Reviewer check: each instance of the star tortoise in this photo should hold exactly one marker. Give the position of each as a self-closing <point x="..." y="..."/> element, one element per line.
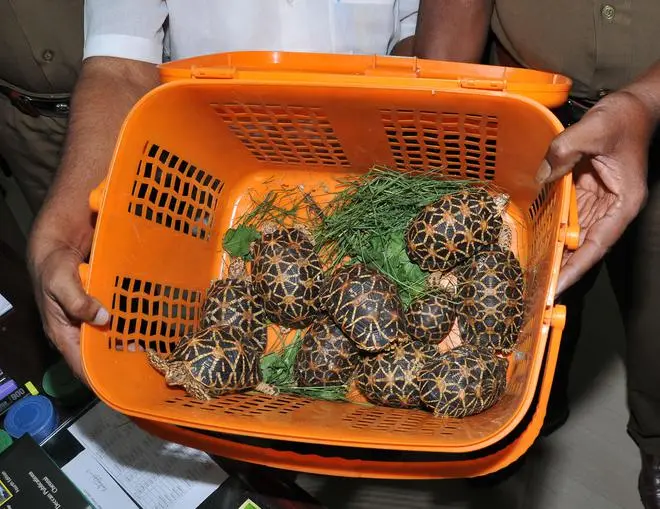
<point x="210" y="363"/>
<point x="366" y="306"/>
<point x="233" y="304"/>
<point x="326" y="356"/>
<point x="491" y="308"/>
<point x="431" y="317"/>
<point x="390" y="378"/>
<point x="451" y="230"/>
<point x="462" y="382"/>
<point x="288" y="276"/>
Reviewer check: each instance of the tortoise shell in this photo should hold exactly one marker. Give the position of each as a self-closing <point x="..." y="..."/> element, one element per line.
<point x="431" y="317"/>
<point x="462" y="382"/>
<point x="288" y="276"/>
<point x="326" y="356"/>
<point x="451" y="230"/>
<point x="232" y="304"/>
<point x="390" y="378"/>
<point x="490" y="313"/>
<point x="210" y="363"/>
<point x="366" y="306"/>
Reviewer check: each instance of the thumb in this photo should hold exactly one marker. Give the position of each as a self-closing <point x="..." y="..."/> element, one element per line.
<point x="568" y="148"/>
<point x="67" y="290"/>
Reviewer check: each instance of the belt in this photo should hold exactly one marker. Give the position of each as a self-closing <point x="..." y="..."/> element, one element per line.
<point x="575" y="106"/>
<point x="36" y="105"/>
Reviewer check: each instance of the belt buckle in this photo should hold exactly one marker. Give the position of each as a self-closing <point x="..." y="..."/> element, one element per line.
<point x="23" y="104"/>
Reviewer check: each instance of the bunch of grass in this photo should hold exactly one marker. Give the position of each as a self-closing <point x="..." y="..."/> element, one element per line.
<point x="367" y="219"/>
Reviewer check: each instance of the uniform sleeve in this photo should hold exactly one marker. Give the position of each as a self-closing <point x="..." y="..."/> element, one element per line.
<point x="130" y="29"/>
<point x="408" y="17"/>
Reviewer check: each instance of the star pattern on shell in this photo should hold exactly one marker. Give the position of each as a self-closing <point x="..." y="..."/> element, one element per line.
<point x="462" y="382"/>
<point x="210" y="363"/>
<point x="288" y="276"/>
<point x="232" y="304"/>
<point x="326" y="356"/>
<point x="451" y="230"/>
<point x="491" y="311"/>
<point x="430" y="317"/>
<point x="390" y="378"/>
<point x="366" y="306"/>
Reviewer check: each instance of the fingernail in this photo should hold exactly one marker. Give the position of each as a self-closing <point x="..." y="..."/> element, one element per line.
<point x="544" y="172"/>
<point x="102" y="317"/>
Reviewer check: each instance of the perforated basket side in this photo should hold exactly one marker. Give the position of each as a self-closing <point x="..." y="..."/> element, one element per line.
<point x="238" y="136"/>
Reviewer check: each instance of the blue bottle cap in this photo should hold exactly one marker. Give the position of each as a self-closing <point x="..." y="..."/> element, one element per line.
<point x="34" y="415"/>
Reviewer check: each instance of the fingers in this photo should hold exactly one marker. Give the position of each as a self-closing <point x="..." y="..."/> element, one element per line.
<point x="68" y="343"/>
<point x="579" y="263"/>
<point x="598" y="240"/>
<point x="64" y="286"/>
<point x="568" y="148"/>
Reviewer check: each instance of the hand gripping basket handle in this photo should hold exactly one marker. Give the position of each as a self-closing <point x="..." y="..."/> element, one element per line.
<point x="95" y="200"/>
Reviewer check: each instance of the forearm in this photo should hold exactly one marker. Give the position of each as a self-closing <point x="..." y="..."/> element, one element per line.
<point x="646" y="89"/>
<point x="106" y="91"/>
<point x="452" y="29"/>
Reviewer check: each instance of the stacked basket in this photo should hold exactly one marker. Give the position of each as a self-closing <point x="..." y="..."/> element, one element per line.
<point x="224" y="124"/>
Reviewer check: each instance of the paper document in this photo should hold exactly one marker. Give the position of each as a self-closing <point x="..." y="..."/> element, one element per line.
<point x="96" y="484"/>
<point x="155" y="473"/>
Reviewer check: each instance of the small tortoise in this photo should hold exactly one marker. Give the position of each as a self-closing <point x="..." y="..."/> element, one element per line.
<point x="209" y="363"/>
<point x="490" y="313"/>
<point x="451" y="230"/>
<point x="326" y="356"/>
<point x="288" y="276"/>
<point x="431" y="317"/>
<point x="233" y="304"/>
<point x="462" y="382"/>
<point x="366" y="306"/>
<point x="390" y="378"/>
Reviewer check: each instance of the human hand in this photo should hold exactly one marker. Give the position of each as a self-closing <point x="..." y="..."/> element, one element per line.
<point x="62" y="302"/>
<point x="614" y="138"/>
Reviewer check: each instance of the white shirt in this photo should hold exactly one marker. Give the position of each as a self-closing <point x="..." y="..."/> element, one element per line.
<point x="157" y="30"/>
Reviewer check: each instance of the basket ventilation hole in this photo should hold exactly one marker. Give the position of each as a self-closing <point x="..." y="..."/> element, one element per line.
<point x="457" y="144"/>
<point x="174" y="193"/>
<point x="244" y="404"/>
<point x="143" y="309"/>
<point x="400" y="421"/>
<point x="284" y="134"/>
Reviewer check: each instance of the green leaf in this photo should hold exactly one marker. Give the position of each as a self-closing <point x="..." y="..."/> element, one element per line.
<point x="237" y="240"/>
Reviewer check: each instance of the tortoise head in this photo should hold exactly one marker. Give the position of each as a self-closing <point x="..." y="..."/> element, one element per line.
<point x="178" y="374"/>
<point x="446" y="281"/>
<point x="237" y="270"/>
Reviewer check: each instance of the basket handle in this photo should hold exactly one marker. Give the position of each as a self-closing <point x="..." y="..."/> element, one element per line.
<point x="97" y="195"/>
<point x="572" y="237"/>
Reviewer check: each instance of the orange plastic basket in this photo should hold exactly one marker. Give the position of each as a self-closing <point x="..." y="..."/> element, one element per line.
<point x="192" y="149"/>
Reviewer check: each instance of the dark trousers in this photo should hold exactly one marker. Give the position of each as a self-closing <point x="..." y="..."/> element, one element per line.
<point x="633" y="266"/>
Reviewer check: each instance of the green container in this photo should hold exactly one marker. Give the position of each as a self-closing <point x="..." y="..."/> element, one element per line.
<point x="5" y="440"/>
<point x="61" y="384"/>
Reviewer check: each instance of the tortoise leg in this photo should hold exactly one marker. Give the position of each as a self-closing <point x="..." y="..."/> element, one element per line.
<point x="506" y="237"/>
<point x="160" y="364"/>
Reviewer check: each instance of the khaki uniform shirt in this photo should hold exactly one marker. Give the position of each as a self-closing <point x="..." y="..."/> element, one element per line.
<point x="601" y="45"/>
<point x="41" y="43"/>
<point x="41" y="47"/>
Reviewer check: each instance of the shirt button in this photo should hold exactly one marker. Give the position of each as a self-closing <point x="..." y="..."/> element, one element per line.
<point x="608" y="12"/>
<point x="603" y="92"/>
<point x="47" y="55"/>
